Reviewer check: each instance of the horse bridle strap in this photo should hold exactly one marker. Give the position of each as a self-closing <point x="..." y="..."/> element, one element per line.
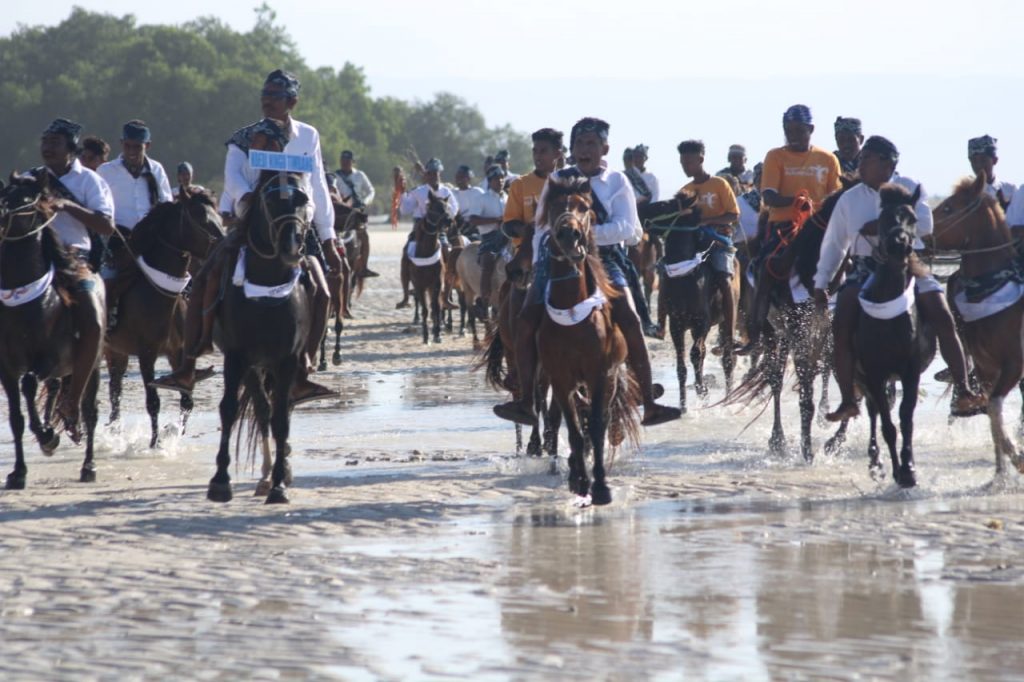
<point x="275" y="225"/>
<point x="31" y="208"/>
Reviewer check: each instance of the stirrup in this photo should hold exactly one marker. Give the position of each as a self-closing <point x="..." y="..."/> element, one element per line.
<point x="843" y="412"/>
<point x="660" y="414"/>
<point x="514" y="412"/>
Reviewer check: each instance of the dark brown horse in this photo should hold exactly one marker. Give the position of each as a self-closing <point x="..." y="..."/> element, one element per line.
<point x="579" y="346"/>
<point x="263" y="323"/>
<point x="36" y="328"/>
<point x="427" y="264"/>
<point x="350" y="228"/>
<point x="890" y="340"/>
<point x="972" y="223"/>
<point x="152" y="307"/>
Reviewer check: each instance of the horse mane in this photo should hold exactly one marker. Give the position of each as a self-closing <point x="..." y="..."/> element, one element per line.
<point x="147" y="230"/>
<point x="893" y="195"/>
<point x="807" y="243"/>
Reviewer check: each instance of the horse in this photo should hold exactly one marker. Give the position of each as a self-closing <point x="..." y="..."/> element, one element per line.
<point x="890" y="340"/>
<point x="37" y="333"/>
<point x="645" y="256"/>
<point x="795" y="328"/>
<point x="263" y="324"/>
<point x="991" y="302"/>
<point x="350" y="228"/>
<point x="691" y="301"/>
<point x="152" y="307"/>
<point x="469" y="277"/>
<point x="427" y="265"/>
<point x="579" y="346"/>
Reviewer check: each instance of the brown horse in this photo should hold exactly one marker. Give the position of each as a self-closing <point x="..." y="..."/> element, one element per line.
<point x="469" y="279"/>
<point x="579" y="346"/>
<point x="37" y="332"/>
<point x="350" y="228"/>
<point x="972" y="223"/>
<point x="152" y="307"/>
<point x="645" y="256"/>
<point x="427" y="264"/>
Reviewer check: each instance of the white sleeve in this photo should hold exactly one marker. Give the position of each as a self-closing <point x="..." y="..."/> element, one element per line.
<point x="1015" y="212"/>
<point x="163" y="185"/>
<point x="323" y="208"/>
<point x="368" y="191"/>
<point x="235" y="183"/>
<point x="835" y="244"/>
<point x="98" y="197"/>
<point x="655" y="189"/>
<point x="408" y="205"/>
<point x="623" y="222"/>
<point x="454" y="202"/>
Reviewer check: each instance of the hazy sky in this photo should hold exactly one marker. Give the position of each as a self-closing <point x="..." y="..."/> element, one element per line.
<point x="927" y="75"/>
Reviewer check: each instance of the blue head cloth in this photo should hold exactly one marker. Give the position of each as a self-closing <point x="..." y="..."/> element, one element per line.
<point x="495" y="171"/>
<point x="849" y="125"/>
<point x="286" y="80"/>
<point x="501" y="155"/>
<point x="465" y="169"/>
<point x="641" y="149"/>
<point x="65" y="127"/>
<point x="589" y="125"/>
<point x="800" y="113"/>
<point x="136" y="131"/>
<point x="434" y="164"/>
<point x="185" y="166"/>
<point x="347" y="154"/>
<point x="986" y="144"/>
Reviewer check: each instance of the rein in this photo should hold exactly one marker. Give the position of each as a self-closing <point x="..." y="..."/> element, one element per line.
<point x="274" y="225"/>
<point x="31" y="208"/>
<point x="961" y="215"/>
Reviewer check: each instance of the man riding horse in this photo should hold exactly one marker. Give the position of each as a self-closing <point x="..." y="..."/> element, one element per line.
<point x="853" y="229"/>
<point x="84" y="209"/>
<point x="352" y="183"/>
<point x="487" y="218"/>
<point x="617" y="222"/>
<point x="137" y="183"/>
<point x="279" y="132"/>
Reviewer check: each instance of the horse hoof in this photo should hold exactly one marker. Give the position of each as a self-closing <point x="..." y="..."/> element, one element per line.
<point x="322" y="367"/>
<point x="219" y="492"/>
<point x="87" y="475"/>
<point x="579" y="486"/>
<point x="52" y="441"/>
<point x="15" y="482"/>
<point x="288" y="474"/>
<point x="277" y="496"/>
<point x="600" y="494"/>
<point x="437" y="338"/>
<point x="336" y="358"/>
<point x="262" y="489"/>
<point x="907" y="478"/>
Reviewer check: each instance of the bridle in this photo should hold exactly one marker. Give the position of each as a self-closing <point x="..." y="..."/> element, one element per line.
<point x="31" y="208"/>
<point x="275" y="225"/>
<point x="567" y="218"/>
<point x="958" y="217"/>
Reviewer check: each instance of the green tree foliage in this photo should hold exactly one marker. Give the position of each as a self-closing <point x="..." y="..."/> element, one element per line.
<point x="196" y="83"/>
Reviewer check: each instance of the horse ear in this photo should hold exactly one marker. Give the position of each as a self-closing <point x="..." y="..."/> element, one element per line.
<point x="916" y="196"/>
<point x="686" y="199"/>
<point x="979" y="185"/>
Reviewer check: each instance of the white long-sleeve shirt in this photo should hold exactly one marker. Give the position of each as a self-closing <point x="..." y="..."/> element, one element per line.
<point x="364" y="189"/>
<point x="468" y="199"/>
<point x="490" y="205"/>
<point x="615" y="193"/>
<point x="303" y="140"/>
<point x="1008" y="189"/>
<point x="857" y="206"/>
<point x="1015" y="211"/>
<point x="415" y="202"/>
<point x="91" y="191"/>
<point x="131" y="194"/>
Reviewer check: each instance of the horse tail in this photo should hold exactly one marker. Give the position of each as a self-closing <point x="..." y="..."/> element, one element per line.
<point x="360" y="283"/>
<point x="756" y="385"/>
<point x="247" y="440"/>
<point x="492" y="359"/>
<point x="624" y="410"/>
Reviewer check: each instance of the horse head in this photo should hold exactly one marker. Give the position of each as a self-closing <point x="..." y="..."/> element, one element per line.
<point x="566" y="209"/>
<point x="277" y="223"/>
<point x="25" y="205"/>
<point x="201" y="224"/>
<point x="677" y="218"/>
<point x="897" y="222"/>
<point x="348" y="217"/>
<point x="964" y="215"/>
<point x="438" y="215"/>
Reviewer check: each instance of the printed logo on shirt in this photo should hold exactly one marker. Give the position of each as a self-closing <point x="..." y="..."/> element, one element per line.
<point x="708" y="199"/>
<point x="819" y="172"/>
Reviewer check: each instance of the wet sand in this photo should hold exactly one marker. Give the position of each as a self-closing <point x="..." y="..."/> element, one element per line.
<point x="417" y="546"/>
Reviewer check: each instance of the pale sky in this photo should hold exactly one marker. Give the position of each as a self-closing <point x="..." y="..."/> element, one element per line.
<point x="927" y="75"/>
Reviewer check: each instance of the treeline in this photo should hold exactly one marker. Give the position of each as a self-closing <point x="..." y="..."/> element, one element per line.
<point x="196" y="83"/>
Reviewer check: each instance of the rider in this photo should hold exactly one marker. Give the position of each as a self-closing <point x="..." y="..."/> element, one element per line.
<point x="84" y="209"/>
<point x="737" y="167"/>
<point x="719" y="210"/>
<point x="93" y="152"/>
<point x="617" y="221"/>
<point x="278" y="98"/>
<point x="853" y="228"/>
<point x="501" y="159"/>
<point x="466" y="193"/>
<point x="137" y="183"/>
<point x="352" y="182"/>
<point x="849" y="138"/>
<point x="487" y="218"/>
<point x="645" y="184"/>
<point x="790" y="173"/>
<point x="981" y="151"/>
<point x="186" y="175"/>
<point x="415" y="202"/>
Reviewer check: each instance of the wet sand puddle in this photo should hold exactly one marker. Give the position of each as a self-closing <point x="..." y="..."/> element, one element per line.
<point x="417" y="546"/>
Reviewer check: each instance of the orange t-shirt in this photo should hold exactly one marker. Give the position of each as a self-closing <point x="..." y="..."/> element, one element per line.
<point x="787" y="172"/>
<point x="523" y="197"/>
<point x="714" y="197"/>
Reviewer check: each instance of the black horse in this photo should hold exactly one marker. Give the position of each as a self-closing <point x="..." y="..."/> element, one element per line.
<point x="263" y="323"/>
<point x="893" y="344"/>
<point x="37" y="334"/>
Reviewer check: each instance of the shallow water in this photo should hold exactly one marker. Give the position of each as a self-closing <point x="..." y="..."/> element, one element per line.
<point x="418" y="546"/>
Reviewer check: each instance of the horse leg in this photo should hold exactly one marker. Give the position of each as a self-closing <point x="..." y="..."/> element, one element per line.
<point x="999" y="438"/>
<point x="805" y="382"/>
<point x="280" y="421"/>
<point x="579" y="484"/>
<point x="678" y="332"/>
<point x="322" y="365"/>
<point x="47" y="437"/>
<point x="698" y="351"/>
<point x="15" y="479"/>
<point x="257" y="394"/>
<point x="146" y="363"/>
<point x="534" y="448"/>
<point x="519" y="439"/>
<point x="776" y="374"/>
<point x="219" y="489"/>
<point x="906" y="478"/>
<point x="875" y="468"/>
<point x="600" y="494"/>
<point x="436" y="314"/>
<point x="889" y="434"/>
<point x="117" y="365"/>
<point x="338" y="328"/>
<point x="53" y="387"/>
<point x="833" y="444"/>
<point x="463" y="311"/>
<point x="91" y="417"/>
<point x="420" y="298"/>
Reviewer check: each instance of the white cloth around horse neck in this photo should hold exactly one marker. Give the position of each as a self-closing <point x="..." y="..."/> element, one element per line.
<point x="685" y="267"/>
<point x="576" y="314"/>
<point x="350" y="238"/>
<point x="1001" y="299"/>
<point x="160" y="279"/>
<point x="27" y="293"/>
<point x="887" y="310"/>
<point x="258" y="290"/>
<point x="410" y="251"/>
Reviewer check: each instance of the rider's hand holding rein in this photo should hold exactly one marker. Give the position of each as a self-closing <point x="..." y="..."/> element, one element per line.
<point x="331" y="256"/>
